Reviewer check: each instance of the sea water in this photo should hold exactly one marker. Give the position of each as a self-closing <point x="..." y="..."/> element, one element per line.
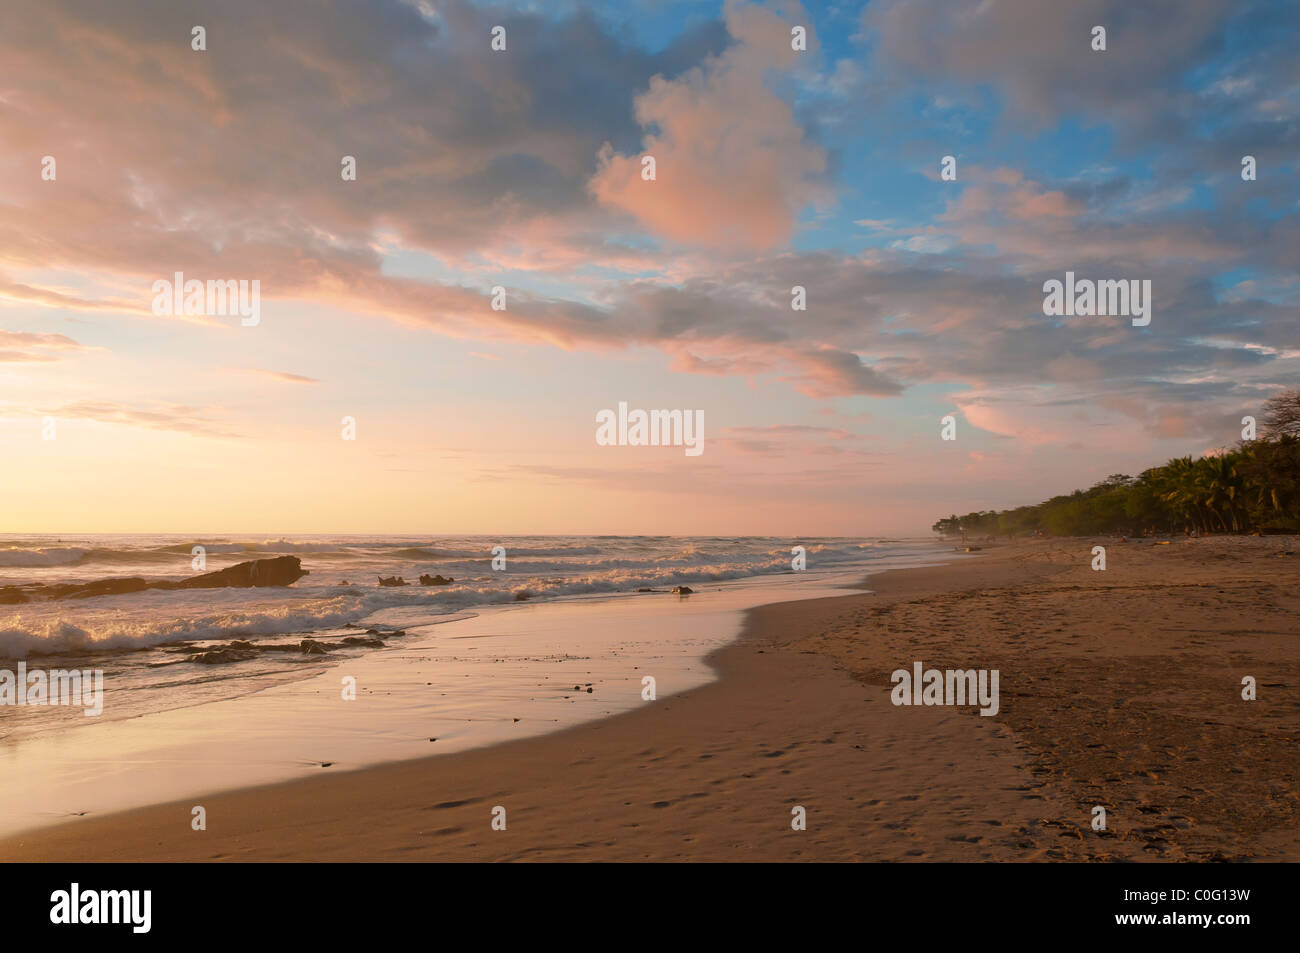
<point x="473" y="666"/>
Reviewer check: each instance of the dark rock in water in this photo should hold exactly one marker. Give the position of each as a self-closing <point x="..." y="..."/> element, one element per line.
<point x="439" y="580"/>
<point x="682" y="590"/>
<point x="523" y="595"/>
<point x="362" y="640"/>
<point x="240" y="644"/>
<point x="222" y="656"/>
<point x="101" y="587"/>
<point x="345" y="583"/>
<point x="312" y="647"/>
<point x="280" y="571"/>
<point x="393" y="581"/>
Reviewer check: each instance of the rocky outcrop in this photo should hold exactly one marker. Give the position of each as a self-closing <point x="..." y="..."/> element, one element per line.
<point x="240" y="650"/>
<point x="440" y="580"/>
<point x="280" y="571"/>
<point x="222" y="656"/>
<point x="392" y="581"/>
<point x="84" y="590"/>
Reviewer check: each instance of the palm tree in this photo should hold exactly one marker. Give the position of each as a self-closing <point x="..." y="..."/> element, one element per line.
<point x="1223" y="487"/>
<point x="1181" y="492"/>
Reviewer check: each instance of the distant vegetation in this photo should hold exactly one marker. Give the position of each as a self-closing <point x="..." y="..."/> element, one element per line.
<point x="1255" y="487"/>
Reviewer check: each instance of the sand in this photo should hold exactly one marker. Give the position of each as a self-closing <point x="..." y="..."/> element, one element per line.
<point x="1119" y="688"/>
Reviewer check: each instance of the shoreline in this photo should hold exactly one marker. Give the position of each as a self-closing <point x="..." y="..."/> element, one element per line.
<point x="503" y="673"/>
<point x="799" y="715"/>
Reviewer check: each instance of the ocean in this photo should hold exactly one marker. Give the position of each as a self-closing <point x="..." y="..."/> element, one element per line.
<point x="207" y="689"/>
<point x="541" y="567"/>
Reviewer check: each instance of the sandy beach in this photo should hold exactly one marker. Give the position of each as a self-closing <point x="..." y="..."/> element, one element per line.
<point x="1119" y="688"/>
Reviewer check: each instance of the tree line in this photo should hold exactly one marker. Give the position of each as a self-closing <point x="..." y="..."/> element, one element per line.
<point x="1254" y="487"/>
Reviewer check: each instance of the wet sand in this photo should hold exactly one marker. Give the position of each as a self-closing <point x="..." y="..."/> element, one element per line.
<point x="1119" y="688"/>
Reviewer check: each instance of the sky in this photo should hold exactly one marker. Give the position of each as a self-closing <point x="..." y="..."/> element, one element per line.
<point x="127" y="155"/>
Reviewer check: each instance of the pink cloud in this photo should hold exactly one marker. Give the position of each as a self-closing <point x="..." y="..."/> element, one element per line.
<point x="733" y="170"/>
<point x="19" y="346"/>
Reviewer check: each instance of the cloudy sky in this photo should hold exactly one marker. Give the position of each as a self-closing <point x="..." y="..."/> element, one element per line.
<point x="521" y="169"/>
